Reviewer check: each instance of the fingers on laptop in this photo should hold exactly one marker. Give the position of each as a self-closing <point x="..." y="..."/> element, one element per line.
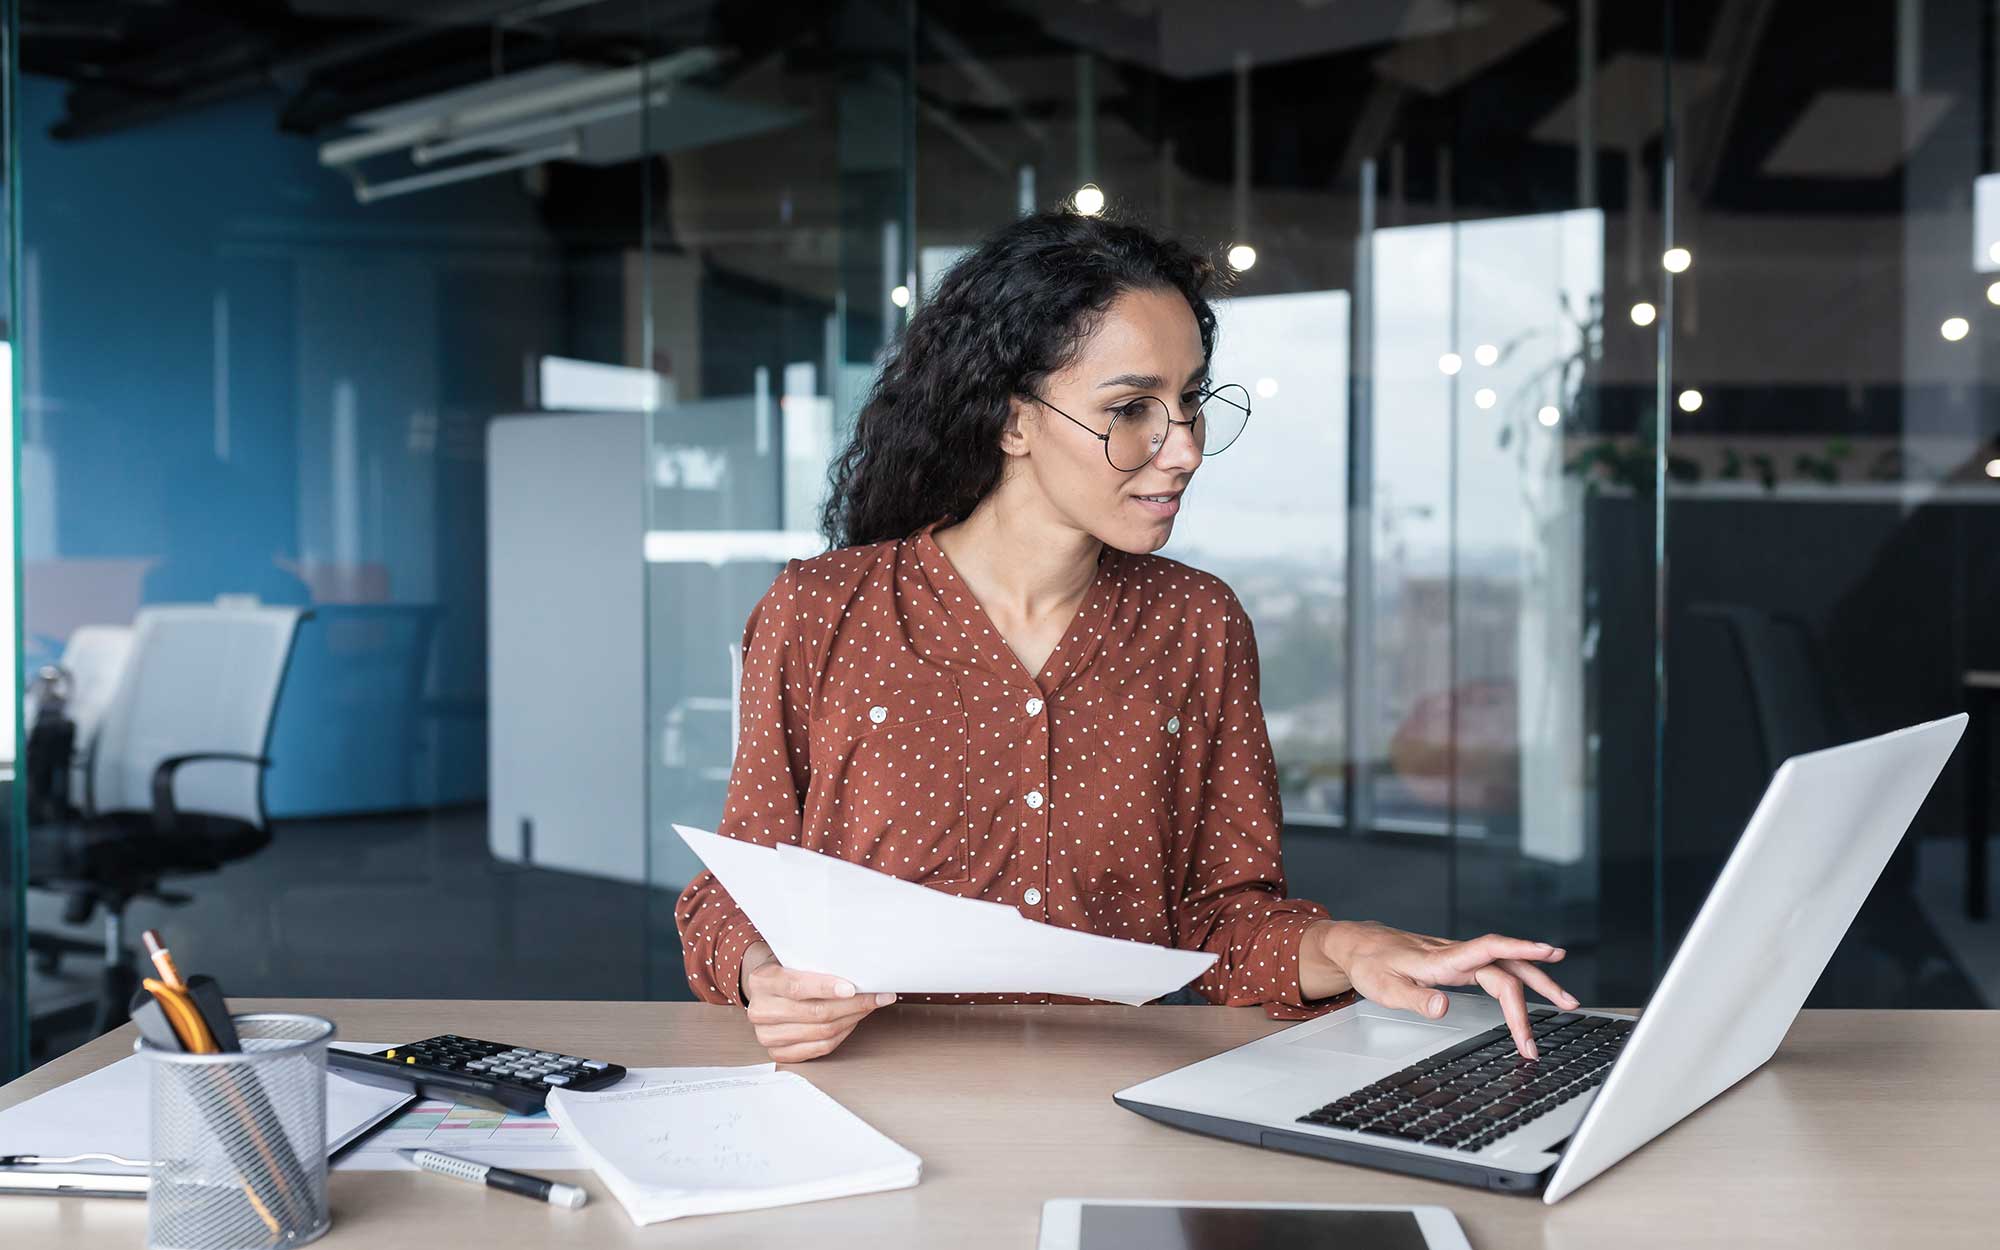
<point x="1469" y="956"/>
<point x="1540" y="982"/>
<point x="1505" y="988"/>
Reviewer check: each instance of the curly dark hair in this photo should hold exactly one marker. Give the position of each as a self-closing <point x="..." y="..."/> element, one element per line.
<point x="926" y="446"/>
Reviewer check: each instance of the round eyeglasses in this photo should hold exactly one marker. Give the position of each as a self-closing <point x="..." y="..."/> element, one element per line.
<point x="1139" y="426"/>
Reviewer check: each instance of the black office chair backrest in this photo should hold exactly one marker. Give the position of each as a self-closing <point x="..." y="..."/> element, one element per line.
<point x="1789" y="686"/>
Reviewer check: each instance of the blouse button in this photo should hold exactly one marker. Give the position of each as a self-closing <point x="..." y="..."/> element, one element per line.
<point x="1031" y="896"/>
<point x="1034" y="798"/>
<point x="1173" y="724"/>
<point x="1034" y="707"/>
<point x="878" y="714"/>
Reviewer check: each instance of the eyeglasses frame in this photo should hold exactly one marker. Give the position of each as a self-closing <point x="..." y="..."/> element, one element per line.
<point x="1207" y="393"/>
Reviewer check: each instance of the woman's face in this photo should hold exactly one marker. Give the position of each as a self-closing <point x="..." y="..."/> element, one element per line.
<point x="1147" y="345"/>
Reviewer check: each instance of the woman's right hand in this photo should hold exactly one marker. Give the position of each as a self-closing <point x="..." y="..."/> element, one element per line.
<point x="800" y="1015"/>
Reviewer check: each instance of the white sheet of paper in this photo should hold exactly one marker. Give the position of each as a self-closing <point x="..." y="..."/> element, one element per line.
<point x="525" y="1143"/>
<point x="885" y="934"/>
<point x="107" y="1111"/>
<point x="754" y="870"/>
<point x="739" y="1144"/>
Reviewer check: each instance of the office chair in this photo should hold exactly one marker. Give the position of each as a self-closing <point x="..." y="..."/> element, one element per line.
<point x="351" y="731"/>
<point x="1794" y="704"/>
<point x="173" y="776"/>
<point x="92" y="663"/>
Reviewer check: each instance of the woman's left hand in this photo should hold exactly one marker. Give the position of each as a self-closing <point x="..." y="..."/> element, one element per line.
<point x="1399" y="969"/>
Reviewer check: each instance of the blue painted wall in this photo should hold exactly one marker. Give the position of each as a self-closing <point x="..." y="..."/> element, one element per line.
<point x="206" y="262"/>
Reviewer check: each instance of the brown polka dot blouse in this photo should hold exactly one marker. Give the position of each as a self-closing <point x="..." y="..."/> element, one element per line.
<point x="1127" y="789"/>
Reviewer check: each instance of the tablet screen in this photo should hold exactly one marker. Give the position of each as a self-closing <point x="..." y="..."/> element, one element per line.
<point x="1245" y="1228"/>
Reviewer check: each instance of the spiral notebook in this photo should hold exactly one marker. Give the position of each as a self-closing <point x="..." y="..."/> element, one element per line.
<point x="737" y="1144"/>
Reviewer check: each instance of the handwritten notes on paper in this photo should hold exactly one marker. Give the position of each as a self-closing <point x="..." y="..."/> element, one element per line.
<point x="738" y="1144"/>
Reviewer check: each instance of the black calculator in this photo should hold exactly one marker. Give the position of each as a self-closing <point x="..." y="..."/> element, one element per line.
<point x="465" y="1069"/>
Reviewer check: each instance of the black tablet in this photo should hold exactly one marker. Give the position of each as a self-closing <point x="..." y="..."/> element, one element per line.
<point x="1084" y="1224"/>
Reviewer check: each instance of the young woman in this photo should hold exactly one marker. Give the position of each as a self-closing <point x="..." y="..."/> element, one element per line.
<point x="991" y="686"/>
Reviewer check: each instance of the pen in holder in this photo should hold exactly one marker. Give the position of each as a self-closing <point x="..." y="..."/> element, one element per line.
<point x="239" y="1139"/>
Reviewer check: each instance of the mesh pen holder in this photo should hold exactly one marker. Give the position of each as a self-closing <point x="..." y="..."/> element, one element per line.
<point x="239" y="1139"/>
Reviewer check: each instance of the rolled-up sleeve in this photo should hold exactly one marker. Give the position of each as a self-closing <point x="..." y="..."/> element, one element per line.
<point x="767" y="787"/>
<point x="1233" y="902"/>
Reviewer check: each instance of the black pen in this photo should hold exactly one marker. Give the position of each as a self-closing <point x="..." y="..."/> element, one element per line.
<point x="554" y="1192"/>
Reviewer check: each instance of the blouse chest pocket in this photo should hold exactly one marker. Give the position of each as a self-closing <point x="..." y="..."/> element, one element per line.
<point x="1134" y="736"/>
<point x="889" y="779"/>
<point x="1142" y="761"/>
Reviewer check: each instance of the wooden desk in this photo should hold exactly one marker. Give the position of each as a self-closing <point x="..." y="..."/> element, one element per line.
<point x="1869" y="1128"/>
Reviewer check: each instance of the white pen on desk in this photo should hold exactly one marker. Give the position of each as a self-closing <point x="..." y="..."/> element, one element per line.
<point x="89" y="1156"/>
<point x="553" y="1192"/>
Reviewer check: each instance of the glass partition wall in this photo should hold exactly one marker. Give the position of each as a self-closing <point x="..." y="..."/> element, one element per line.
<point x="298" y="288"/>
<point x="778" y="264"/>
<point x="1833" y="503"/>
<point x="13" y="865"/>
<point x="1418" y="324"/>
<point x="1611" y="363"/>
<point x="1620" y="428"/>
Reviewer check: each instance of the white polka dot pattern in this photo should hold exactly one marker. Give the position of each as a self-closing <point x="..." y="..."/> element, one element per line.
<point x="1127" y="789"/>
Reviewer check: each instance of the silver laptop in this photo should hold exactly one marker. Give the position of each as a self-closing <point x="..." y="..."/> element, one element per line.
<point x="1450" y="1099"/>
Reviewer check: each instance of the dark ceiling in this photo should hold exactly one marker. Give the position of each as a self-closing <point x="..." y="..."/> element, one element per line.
<point x="1751" y="73"/>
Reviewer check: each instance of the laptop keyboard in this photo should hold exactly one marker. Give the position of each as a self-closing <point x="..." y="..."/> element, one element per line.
<point x="1480" y="1090"/>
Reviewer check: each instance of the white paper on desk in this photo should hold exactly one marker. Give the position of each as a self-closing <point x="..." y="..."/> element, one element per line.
<point x="108" y="1112"/>
<point x="525" y="1143"/>
<point x="731" y="1145"/>
<point x="890" y="935"/>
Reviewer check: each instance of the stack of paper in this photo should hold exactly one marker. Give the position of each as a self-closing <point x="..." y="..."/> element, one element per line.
<point x="822" y="914"/>
<point x="738" y="1144"/>
<point x="105" y="1112"/>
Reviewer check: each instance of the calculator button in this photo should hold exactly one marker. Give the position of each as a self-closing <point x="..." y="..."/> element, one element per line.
<point x="556" y="1079"/>
<point x="547" y="1054"/>
<point x="595" y="1065"/>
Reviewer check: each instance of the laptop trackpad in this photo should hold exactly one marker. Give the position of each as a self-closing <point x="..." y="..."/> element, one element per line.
<point x="1376" y="1037"/>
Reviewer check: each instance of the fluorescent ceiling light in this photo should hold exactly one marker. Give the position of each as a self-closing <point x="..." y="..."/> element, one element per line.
<point x="370" y="192"/>
<point x="605" y="117"/>
<point x="506" y="101"/>
<point x="503" y="136"/>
